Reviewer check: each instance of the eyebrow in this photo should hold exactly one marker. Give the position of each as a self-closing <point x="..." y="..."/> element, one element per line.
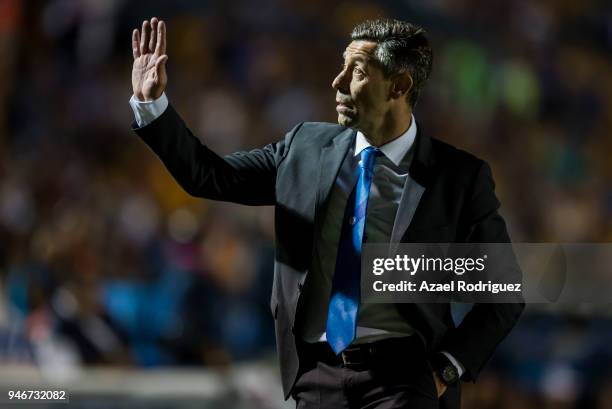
<point x="356" y="58"/>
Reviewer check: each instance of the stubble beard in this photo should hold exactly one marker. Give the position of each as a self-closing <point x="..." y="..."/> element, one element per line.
<point x="348" y="121"/>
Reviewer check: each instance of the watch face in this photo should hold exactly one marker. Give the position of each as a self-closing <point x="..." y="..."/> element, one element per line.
<point x="449" y="374"/>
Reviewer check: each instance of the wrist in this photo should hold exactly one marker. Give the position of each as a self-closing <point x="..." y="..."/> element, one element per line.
<point x="142" y="98"/>
<point x="445" y="370"/>
<point x="139" y="97"/>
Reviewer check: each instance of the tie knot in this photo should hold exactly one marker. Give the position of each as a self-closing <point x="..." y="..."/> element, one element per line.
<point x="368" y="157"/>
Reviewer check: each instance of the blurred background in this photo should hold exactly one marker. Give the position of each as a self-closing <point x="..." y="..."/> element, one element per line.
<point x="118" y="286"/>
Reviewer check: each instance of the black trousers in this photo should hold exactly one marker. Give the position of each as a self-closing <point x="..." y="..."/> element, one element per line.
<point x="396" y="376"/>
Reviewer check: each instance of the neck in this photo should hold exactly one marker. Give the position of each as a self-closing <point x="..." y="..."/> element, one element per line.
<point x="388" y="130"/>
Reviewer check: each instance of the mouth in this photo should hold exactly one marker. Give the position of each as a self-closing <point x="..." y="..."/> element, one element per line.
<point x="342" y="107"/>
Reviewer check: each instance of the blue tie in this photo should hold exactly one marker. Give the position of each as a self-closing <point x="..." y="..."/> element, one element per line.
<point x="346" y="291"/>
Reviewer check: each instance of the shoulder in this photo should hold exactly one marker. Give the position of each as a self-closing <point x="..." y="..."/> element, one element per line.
<point x="314" y="135"/>
<point x="307" y="139"/>
<point x="454" y="158"/>
<point x="320" y="129"/>
<point x="460" y="166"/>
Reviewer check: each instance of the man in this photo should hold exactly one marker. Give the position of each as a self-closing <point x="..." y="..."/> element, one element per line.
<point x="375" y="177"/>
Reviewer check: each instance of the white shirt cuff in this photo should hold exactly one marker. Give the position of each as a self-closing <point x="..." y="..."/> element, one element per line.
<point x="460" y="368"/>
<point x="146" y="112"/>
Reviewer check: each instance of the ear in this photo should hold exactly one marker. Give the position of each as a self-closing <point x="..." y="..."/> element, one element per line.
<point x="401" y="84"/>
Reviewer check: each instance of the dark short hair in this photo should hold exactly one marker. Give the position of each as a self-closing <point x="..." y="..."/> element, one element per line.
<point x="402" y="47"/>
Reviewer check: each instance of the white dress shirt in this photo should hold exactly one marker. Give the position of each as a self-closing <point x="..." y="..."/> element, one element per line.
<point x="374" y="320"/>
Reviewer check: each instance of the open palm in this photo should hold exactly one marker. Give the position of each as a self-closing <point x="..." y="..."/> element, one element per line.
<point x="149" y="76"/>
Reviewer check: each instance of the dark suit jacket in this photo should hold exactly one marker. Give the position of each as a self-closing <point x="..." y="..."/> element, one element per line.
<point x="296" y="174"/>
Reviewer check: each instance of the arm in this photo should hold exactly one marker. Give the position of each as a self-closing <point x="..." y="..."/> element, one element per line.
<point x="242" y="177"/>
<point x="474" y="340"/>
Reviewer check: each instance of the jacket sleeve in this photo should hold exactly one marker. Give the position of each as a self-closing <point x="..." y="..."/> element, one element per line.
<point x="241" y="177"/>
<point x="475" y="339"/>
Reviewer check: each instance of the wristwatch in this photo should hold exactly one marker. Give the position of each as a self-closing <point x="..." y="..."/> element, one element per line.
<point x="445" y="369"/>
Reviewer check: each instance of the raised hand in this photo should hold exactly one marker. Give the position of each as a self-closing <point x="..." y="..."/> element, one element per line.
<point x="149" y="76"/>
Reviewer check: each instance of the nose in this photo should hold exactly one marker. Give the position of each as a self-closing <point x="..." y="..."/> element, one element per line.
<point x="339" y="82"/>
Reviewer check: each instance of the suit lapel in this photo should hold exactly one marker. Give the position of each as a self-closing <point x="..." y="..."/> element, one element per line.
<point x="411" y="196"/>
<point x="331" y="159"/>
<point x="332" y="156"/>
<point x="420" y="176"/>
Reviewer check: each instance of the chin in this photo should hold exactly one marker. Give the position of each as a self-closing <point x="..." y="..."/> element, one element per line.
<point x="345" y="120"/>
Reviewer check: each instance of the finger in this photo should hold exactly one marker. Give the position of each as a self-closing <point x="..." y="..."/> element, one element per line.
<point x="144" y="37"/>
<point x="136" y="43"/>
<point x="160" y="47"/>
<point x="153" y="37"/>
<point x="160" y="65"/>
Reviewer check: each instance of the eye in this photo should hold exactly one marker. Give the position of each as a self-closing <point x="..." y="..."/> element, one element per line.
<point x="359" y="72"/>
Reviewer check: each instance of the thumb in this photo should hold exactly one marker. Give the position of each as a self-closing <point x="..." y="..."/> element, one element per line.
<point x="160" y="64"/>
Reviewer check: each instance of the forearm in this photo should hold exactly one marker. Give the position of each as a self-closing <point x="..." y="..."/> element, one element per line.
<point x="241" y="177"/>
<point x="199" y="170"/>
<point x="475" y="339"/>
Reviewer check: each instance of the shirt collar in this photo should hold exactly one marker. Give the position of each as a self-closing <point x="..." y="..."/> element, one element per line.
<point x="394" y="150"/>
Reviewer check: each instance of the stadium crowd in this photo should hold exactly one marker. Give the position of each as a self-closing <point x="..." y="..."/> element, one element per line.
<point x="104" y="260"/>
